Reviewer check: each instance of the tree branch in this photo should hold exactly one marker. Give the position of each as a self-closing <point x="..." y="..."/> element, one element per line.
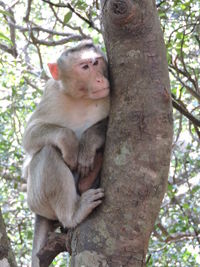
<point x="188" y="88"/>
<point x="68" y="25"/>
<point x="175" y="237"/>
<point x="12" y="29"/>
<point x="6" y="254"/>
<point x="38" y="29"/>
<point x="8" y="49"/>
<point x="55" y="43"/>
<point x="55" y="244"/>
<point x="90" y="23"/>
<point x="184" y="111"/>
<point x="13" y="49"/>
<point x="28" y="11"/>
<point x="179" y="236"/>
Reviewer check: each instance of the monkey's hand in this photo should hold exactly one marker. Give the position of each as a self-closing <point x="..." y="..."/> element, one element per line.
<point x="88" y="181"/>
<point x="68" y="143"/>
<point x="86" y="156"/>
<point x="91" y="140"/>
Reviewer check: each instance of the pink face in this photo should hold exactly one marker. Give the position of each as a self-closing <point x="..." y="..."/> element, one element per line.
<point x="92" y="75"/>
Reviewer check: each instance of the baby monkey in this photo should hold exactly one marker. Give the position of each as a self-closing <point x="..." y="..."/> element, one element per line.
<point x="62" y="138"/>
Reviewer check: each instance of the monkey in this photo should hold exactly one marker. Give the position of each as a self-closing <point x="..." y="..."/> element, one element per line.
<point x="62" y="139"/>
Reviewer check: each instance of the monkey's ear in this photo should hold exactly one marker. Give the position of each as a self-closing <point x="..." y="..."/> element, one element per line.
<point x="53" y="67"/>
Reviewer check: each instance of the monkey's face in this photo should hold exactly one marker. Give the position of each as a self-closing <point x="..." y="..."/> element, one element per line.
<point x="92" y="78"/>
<point x="84" y="75"/>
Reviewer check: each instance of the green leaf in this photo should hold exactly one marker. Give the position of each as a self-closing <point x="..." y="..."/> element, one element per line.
<point x="81" y="5"/>
<point x="67" y="17"/>
<point x="3" y="37"/>
<point x="5" y="13"/>
<point x="179" y="35"/>
<point x="186" y="206"/>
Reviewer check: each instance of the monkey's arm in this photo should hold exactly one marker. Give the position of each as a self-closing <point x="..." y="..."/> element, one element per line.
<point x="39" y="134"/>
<point x="91" y="140"/>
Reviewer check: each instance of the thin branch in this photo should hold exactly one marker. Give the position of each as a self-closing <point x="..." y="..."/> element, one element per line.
<point x="163" y="230"/>
<point x="184" y="72"/>
<point x="187" y="87"/>
<point x="8" y="50"/>
<point x="14" y="4"/>
<point x="38" y="29"/>
<point x="26" y="54"/>
<point x="179" y="28"/>
<point x="33" y="85"/>
<point x="10" y="19"/>
<point x="40" y="56"/>
<point x="197" y="39"/>
<point x="197" y="131"/>
<point x="8" y="177"/>
<point x="193" y="221"/>
<point x="184" y="111"/>
<point x="28" y="11"/>
<point x="183" y="60"/>
<point x="12" y="29"/>
<point x="68" y="25"/>
<point x="90" y="23"/>
<point x="180" y="236"/>
<point x="55" y="43"/>
<point x="175" y="237"/>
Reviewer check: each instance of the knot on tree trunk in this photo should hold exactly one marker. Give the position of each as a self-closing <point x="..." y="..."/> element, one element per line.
<point x="119" y="7"/>
<point x="125" y="12"/>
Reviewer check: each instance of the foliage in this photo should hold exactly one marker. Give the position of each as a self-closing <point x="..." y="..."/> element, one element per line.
<point x="176" y="238"/>
<point x="33" y="34"/>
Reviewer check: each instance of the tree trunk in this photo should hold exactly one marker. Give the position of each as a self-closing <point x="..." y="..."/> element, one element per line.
<point x="139" y="138"/>
<point x="7" y="258"/>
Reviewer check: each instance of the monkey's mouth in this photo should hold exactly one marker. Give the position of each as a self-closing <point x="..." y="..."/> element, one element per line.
<point x="100" y="93"/>
<point x="103" y="90"/>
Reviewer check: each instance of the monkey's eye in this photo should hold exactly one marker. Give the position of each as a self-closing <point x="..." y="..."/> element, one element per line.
<point x="96" y="63"/>
<point x="85" y="67"/>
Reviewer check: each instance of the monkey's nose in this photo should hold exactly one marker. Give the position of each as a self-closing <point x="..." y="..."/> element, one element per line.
<point x="99" y="79"/>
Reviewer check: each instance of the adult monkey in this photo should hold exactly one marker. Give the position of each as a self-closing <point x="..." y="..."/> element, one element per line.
<point x="62" y="138"/>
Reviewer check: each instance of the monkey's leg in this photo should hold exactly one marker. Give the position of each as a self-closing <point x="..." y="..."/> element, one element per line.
<point x="42" y="227"/>
<point x="52" y="192"/>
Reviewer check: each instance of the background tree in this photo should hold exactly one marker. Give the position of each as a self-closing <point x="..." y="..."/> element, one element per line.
<point x="6" y="255"/>
<point x="29" y="39"/>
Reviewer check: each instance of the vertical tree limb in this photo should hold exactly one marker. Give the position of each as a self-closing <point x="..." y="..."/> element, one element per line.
<point x="139" y="139"/>
<point x="6" y="254"/>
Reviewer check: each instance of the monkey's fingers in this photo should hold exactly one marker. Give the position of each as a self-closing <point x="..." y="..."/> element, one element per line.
<point x="97" y="203"/>
<point x="96" y="196"/>
<point x="93" y="195"/>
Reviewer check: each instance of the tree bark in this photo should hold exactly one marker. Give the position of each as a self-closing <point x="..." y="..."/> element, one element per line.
<point x="7" y="258"/>
<point x="139" y="138"/>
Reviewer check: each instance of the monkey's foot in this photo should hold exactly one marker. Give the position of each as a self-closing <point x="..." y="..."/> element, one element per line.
<point x="90" y="200"/>
<point x="86" y="182"/>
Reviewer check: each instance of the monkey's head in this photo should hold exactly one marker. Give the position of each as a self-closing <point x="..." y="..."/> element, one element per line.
<point x="82" y="71"/>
